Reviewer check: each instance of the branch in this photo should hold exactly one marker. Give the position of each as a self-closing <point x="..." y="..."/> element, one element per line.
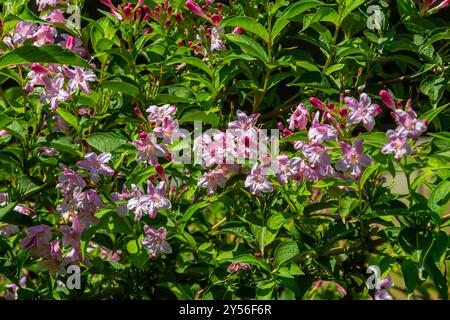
<point x="373" y="243"/>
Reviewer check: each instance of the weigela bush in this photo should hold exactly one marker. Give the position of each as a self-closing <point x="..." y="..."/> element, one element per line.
<point x="224" y="150"/>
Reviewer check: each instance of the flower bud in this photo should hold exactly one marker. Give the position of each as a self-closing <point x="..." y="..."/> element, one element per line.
<point x="238" y="30"/>
<point x="216" y="19"/>
<point x="194" y="8"/>
<point x="387" y="99"/>
<point x="160" y="171"/>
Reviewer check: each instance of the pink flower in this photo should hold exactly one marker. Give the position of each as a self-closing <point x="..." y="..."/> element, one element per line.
<point x="194" y="8"/>
<point x="96" y="165"/>
<point x="148" y="149"/>
<point x="212" y="179"/>
<point x="54" y="92"/>
<point x="155" y="242"/>
<point x="408" y="124"/>
<point x="244" y="122"/>
<point x="55" y="16"/>
<point x="288" y="169"/>
<point x="78" y="79"/>
<point x="69" y="180"/>
<point x="149" y="203"/>
<point x="341" y="289"/>
<point x="23" y="32"/>
<point x="353" y="161"/>
<point x="45" y="35"/>
<point x="38" y="240"/>
<point x="217" y="43"/>
<point x="387" y="99"/>
<point x="42" y="4"/>
<point x="122" y="211"/>
<point x="318" y="133"/>
<point x="318" y="158"/>
<point x="158" y="114"/>
<point x="257" y="181"/>
<point x="73" y="44"/>
<point x="88" y="203"/>
<point x="398" y="145"/>
<point x="12" y="291"/>
<point x="299" y="118"/>
<point x="362" y="111"/>
<point x="4" y="133"/>
<point x="54" y="263"/>
<point x="236" y="267"/>
<point x="168" y="128"/>
<point x="3" y="198"/>
<point x="72" y="234"/>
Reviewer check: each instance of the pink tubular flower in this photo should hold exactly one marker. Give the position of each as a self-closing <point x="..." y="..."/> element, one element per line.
<point x="236" y="267"/>
<point x="299" y="118"/>
<point x="38" y="240"/>
<point x="156" y="114"/>
<point x="353" y="161"/>
<point x="288" y="169"/>
<point x="73" y="44"/>
<point x="362" y="111"/>
<point x="42" y="4"/>
<point x="212" y="179"/>
<point x="122" y="211"/>
<point x="88" y="203"/>
<point x="155" y="242"/>
<point x="257" y="181"/>
<point x="149" y="203"/>
<point x="398" y="145"/>
<point x="69" y="180"/>
<point x="54" y="92"/>
<point x="45" y="35"/>
<point x="72" y="234"/>
<point x="244" y="122"/>
<point x="78" y="79"/>
<point x="96" y="165"/>
<point x="318" y="158"/>
<point x="387" y="99"/>
<point x="318" y="133"/>
<point x="168" y="128"/>
<point x="148" y="149"/>
<point x="195" y="8"/>
<point x="54" y="262"/>
<point x="55" y="16"/>
<point x="408" y="124"/>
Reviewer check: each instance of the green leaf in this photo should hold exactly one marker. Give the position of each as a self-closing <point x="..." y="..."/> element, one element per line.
<point x="121" y="86"/>
<point x="202" y="116"/>
<point x="298" y="285"/>
<point x="42" y="54"/>
<point x="249" y="25"/>
<point x="69" y="118"/>
<point x="440" y="197"/>
<point x="249" y="46"/>
<point x="29" y="185"/>
<point x="193" y="62"/>
<point x="410" y="274"/>
<point x="106" y="142"/>
<point x="190" y="211"/>
<point x="285" y="252"/>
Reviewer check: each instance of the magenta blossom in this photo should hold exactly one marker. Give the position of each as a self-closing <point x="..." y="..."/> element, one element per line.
<point x="55" y="16"/>
<point x="155" y="242"/>
<point x="96" y="165"/>
<point x="212" y="179"/>
<point x="299" y="118"/>
<point x="148" y="149"/>
<point x="398" y="145"/>
<point x="353" y="161"/>
<point x="257" y="181"/>
<point x="408" y="124"/>
<point x="318" y="133"/>
<point x="362" y="111"/>
<point x="38" y="240"/>
<point x="73" y="44"/>
<point x="149" y="203"/>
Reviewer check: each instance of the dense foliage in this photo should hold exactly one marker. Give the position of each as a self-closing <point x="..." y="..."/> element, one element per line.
<point x="99" y="99"/>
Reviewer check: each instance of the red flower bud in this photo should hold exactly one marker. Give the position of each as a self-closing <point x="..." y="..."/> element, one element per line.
<point x="387" y="99"/>
<point x="160" y="171"/>
<point x="138" y="112"/>
<point x="216" y="19"/>
<point x="238" y="30"/>
<point x="194" y="8"/>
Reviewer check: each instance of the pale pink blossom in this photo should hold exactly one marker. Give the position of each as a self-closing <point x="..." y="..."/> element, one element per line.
<point x="257" y="181"/>
<point x="78" y="79"/>
<point x="318" y="158"/>
<point x="398" y="145"/>
<point x="167" y="129"/>
<point x="148" y="149"/>
<point x="155" y="242"/>
<point x="54" y="263"/>
<point x="96" y="165"/>
<point x="42" y="4"/>
<point x="318" y="133"/>
<point x="122" y="211"/>
<point x="299" y="119"/>
<point x="54" y="91"/>
<point x="55" y="16"/>
<point x="69" y="180"/>
<point x="88" y="203"/>
<point x="237" y="266"/>
<point x="354" y="160"/>
<point x="73" y="44"/>
<point x="156" y="114"/>
<point x="408" y="124"/>
<point x="149" y="203"/>
<point x="38" y="240"/>
<point x="213" y="179"/>
<point x="362" y="111"/>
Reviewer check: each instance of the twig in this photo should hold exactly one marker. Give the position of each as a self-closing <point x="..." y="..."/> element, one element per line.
<point x="369" y="245"/>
